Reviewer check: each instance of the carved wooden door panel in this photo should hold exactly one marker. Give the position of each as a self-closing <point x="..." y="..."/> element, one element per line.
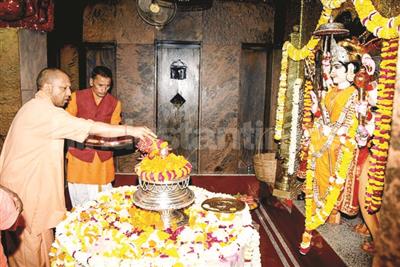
<point x="177" y="83"/>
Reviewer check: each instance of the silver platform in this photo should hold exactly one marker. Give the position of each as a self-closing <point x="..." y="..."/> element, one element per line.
<point x="166" y="198"/>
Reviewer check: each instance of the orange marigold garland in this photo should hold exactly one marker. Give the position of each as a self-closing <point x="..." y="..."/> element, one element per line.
<point x="381" y="135"/>
<point x="307" y="123"/>
<point x="307" y="115"/>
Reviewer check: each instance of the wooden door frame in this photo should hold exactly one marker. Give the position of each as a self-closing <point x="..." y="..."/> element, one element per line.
<point x="177" y="44"/>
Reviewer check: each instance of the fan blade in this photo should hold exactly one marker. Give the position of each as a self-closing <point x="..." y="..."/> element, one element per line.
<point x="166" y="4"/>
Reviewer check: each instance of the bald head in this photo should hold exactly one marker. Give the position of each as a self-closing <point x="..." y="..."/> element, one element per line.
<point x="48" y="75"/>
<point x="55" y="84"/>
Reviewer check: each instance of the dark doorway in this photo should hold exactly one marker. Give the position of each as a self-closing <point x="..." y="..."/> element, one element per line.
<point x="254" y="103"/>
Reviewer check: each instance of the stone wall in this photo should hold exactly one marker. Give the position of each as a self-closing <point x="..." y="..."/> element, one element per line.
<point x="10" y="94"/>
<point x="69" y="62"/>
<point x="221" y="31"/>
<point x="23" y="53"/>
<point x="136" y="90"/>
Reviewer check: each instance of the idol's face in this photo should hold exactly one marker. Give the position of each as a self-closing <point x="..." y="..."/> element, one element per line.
<point x="338" y="73"/>
<point x="100" y="85"/>
<point x="60" y="90"/>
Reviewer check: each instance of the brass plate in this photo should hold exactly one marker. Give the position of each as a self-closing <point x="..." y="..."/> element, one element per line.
<point x="251" y="201"/>
<point x="225" y="205"/>
<point x="97" y="142"/>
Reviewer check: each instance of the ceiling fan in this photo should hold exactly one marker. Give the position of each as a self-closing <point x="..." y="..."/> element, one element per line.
<point x="156" y="12"/>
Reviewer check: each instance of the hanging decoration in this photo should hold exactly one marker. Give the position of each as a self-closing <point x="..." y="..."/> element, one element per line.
<point x="383" y="119"/>
<point x="294" y="127"/>
<point x="385" y="28"/>
<point x="289" y="50"/>
<point x="380" y="26"/>
<point x="307" y="124"/>
<point x="307" y="114"/>
<point x="178" y="70"/>
<point x="30" y="14"/>
<point x="281" y="94"/>
<point x="300" y="54"/>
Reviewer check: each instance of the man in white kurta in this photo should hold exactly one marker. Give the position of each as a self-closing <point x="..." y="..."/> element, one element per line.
<point x="31" y="162"/>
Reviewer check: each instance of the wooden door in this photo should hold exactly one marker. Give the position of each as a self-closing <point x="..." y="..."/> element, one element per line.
<point x="253" y="103"/>
<point x="178" y="99"/>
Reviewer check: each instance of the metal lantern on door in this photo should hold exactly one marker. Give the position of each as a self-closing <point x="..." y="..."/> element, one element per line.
<point x="178" y="70"/>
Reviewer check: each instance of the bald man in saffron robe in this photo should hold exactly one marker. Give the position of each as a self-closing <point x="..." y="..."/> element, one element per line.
<point x="31" y="162"/>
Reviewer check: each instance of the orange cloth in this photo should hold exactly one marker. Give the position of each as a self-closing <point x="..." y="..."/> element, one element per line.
<point x="33" y="251"/>
<point x="96" y="172"/>
<point x="32" y="161"/>
<point x="8" y="215"/>
<point x="335" y="101"/>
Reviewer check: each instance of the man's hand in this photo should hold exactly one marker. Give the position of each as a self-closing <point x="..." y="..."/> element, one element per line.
<point x="141" y="132"/>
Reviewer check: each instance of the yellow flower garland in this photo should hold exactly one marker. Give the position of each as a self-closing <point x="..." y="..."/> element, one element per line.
<point x="158" y="164"/>
<point x="313" y="221"/>
<point x="381" y="135"/>
<point x="345" y="158"/>
<point x="300" y="54"/>
<point x="307" y="124"/>
<point x="289" y="50"/>
<point x="281" y="94"/>
<point x="307" y="114"/>
<point x="343" y="163"/>
<point x="386" y="28"/>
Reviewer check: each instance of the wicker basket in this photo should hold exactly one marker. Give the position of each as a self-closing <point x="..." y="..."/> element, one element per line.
<point x="264" y="164"/>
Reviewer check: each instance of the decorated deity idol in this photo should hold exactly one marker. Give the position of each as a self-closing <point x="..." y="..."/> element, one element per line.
<point x="338" y="132"/>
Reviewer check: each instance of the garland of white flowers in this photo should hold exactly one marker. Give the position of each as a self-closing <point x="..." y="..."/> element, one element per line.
<point x="294" y="128"/>
<point x="281" y="94"/>
<point x="298" y="54"/>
